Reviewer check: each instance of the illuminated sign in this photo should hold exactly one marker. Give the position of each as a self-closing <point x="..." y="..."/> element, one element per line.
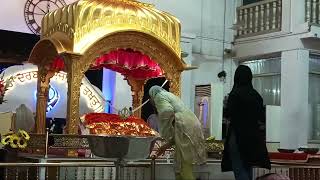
<point x="90" y="94"/>
<point x="28" y="76"/>
<point x="53" y="98"/>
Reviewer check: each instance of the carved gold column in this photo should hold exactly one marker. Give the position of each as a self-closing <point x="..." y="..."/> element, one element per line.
<point x="137" y="89"/>
<point x="74" y="78"/>
<point x="175" y="83"/>
<point x="42" y="98"/>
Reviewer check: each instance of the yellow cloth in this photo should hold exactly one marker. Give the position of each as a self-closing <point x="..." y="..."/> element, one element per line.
<point x="186" y="172"/>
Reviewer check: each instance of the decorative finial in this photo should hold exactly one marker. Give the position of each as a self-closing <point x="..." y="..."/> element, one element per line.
<point x="124" y="113"/>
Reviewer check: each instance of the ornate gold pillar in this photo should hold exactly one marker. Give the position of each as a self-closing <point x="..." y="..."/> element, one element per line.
<point x="42" y="98"/>
<point x="74" y="78"/>
<point x="137" y="89"/>
<point x="175" y="83"/>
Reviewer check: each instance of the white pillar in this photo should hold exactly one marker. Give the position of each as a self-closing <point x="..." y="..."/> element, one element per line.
<point x="294" y="99"/>
<point x="186" y="77"/>
<point x="297" y="13"/>
<point x="293" y="14"/>
<point x="216" y="109"/>
<point x="286" y="16"/>
<point x="186" y="88"/>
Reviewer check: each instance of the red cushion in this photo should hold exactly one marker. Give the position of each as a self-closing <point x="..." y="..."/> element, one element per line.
<point x="288" y="156"/>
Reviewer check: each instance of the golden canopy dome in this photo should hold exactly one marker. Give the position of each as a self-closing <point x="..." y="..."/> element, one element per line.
<point x="77" y="26"/>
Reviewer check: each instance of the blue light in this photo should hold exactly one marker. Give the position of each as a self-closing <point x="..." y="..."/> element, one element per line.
<point x="53" y="98"/>
<point x="205" y="112"/>
<point x="108" y="87"/>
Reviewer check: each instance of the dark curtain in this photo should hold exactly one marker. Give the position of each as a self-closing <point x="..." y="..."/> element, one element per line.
<point x="95" y="77"/>
<point x="17" y="45"/>
<point x="147" y="109"/>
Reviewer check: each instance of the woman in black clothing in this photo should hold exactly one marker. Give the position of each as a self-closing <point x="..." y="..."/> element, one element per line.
<point x="244" y="146"/>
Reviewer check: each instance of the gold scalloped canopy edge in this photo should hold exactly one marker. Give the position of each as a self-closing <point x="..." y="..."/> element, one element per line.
<point x="84" y="22"/>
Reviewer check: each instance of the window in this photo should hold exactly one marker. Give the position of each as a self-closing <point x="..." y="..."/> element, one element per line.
<point x="314" y="96"/>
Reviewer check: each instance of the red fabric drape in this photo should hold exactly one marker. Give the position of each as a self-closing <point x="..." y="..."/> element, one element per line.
<point x="57" y="64"/>
<point x="129" y="63"/>
<point x="125" y="61"/>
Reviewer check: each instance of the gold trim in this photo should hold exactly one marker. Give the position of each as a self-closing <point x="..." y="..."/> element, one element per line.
<point x="137" y="89"/>
<point x="88" y="21"/>
<point x="75" y="74"/>
<point x="42" y="97"/>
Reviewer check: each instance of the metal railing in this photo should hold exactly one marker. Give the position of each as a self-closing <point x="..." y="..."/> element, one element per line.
<point x="259" y="18"/>
<point x="143" y="170"/>
<point x="108" y="169"/>
<point x="281" y="170"/>
<point x="295" y="171"/>
<point x="313" y="11"/>
<point x="76" y="171"/>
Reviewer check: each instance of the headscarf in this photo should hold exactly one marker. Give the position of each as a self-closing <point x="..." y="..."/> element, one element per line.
<point x="154" y="90"/>
<point x="242" y="77"/>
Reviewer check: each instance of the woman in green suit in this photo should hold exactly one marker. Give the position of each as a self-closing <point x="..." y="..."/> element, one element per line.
<point x="181" y="129"/>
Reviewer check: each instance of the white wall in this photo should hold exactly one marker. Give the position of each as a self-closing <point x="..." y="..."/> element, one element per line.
<point x="273" y="123"/>
<point x="12" y="15"/>
<point x="294" y="99"/>
<point x="204" y="19"/>
<point x="216" y="110"/>
<point x="186" y="77"/>
<point x="187" y="11"/>
<point x="208" y="70"/>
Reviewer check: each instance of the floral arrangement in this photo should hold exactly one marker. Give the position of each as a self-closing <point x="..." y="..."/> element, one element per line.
<point x="16" y="140"/>
<point x="4" y="84"/>
<point x="213" y="145"/>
